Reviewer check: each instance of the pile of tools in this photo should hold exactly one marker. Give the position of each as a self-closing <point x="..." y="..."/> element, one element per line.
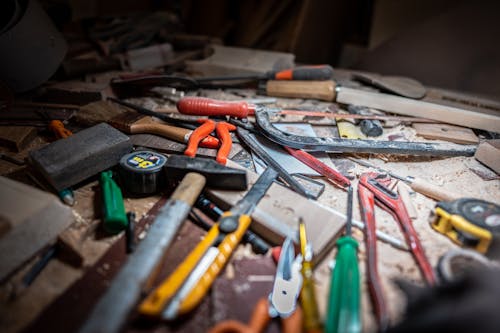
<point x="192" y="165"/>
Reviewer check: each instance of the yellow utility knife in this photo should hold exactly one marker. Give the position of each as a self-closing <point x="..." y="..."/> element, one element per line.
<point x="184" y="289"/>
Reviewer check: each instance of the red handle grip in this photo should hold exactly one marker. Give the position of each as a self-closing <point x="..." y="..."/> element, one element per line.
<point x="200" y="106"/>
<point x="319" y="166"/>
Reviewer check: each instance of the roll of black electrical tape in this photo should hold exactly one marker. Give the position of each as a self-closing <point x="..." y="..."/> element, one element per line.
<point x="141" y="172"/>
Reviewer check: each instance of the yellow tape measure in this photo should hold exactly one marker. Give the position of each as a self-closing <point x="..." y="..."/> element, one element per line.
<point x="468" y="222"/>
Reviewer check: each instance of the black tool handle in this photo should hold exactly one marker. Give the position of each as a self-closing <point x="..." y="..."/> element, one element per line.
<point x="259" y="246"/>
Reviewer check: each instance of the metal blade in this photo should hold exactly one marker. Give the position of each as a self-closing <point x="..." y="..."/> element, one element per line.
<point x="287" y="282"/>
<point x="247" y="204"/>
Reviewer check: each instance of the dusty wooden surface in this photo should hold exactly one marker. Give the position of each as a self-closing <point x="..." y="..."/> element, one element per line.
<point x="460" y="174"/>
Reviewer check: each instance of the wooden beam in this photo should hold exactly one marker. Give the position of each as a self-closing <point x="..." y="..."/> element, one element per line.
<point x="417" y="108"/>
<point x="488" y="153"/>
<point x="446" y="132"/>
<point x="35" y="218"/>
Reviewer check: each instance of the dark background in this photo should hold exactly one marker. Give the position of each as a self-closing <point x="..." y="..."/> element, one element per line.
<point x="446" y="43"/>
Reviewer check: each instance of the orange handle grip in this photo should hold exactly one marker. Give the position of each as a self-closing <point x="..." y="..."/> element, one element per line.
<point x="198" y="135"/>
<point x="57" y="127"/>
<point x="222" y="129"/>
<point x="200" y="106"/>
<point x="209" y="142"/>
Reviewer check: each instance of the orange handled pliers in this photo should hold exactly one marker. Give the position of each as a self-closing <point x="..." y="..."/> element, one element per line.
<point x="207" y="126"/>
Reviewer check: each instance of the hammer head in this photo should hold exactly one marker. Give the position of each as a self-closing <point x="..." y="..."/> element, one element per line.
<point x="217" y="175"/>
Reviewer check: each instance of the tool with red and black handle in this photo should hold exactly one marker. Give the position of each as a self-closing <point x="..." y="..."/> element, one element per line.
<point x="305" y="73"/>
<point x="138" y="85"/>
<point x="320" y="167"/>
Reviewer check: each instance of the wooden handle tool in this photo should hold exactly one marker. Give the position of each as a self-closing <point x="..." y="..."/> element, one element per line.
<point x="322" y="90"/>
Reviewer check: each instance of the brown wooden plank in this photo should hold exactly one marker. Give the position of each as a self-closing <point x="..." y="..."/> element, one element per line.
<point x="446" y="132"/>
<point x="17" y="137"/>
<point x="488" y="153"/>
<point x="227" y="61"/>
<point x="417" y="108"/>
<point x="35" y="217"/>
<point x="76" y="92"/>
<point x="402" y="86"/>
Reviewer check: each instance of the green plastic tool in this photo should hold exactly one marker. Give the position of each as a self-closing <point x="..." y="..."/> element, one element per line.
<point x="114" y="216"/>
<point x="343" y="315"/>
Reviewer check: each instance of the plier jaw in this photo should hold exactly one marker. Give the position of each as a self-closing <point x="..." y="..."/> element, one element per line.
<point x="287" y="282"/>
<point x="374" y="185"/>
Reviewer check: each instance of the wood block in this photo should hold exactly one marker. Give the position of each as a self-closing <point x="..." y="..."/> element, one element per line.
<point x="76" y="92"/>
<point x="70" y="244"/>
<point x="17" y="137"/>
<point x="488" y="153"/>
<point x="67" y="162"/>
<point x="236" y="60"/>
<point x="35" y="218"/>
<point x="446" y="132"/>
<point x="275" y="217"/>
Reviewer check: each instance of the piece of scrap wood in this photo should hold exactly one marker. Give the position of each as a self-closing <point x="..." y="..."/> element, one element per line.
<point x="446" y="132"/>
<point x="76" y="92"/>
<point x="488" y="153"/>
<point x="17" y="137"/>
<point x="461" y="116"/>
<point x="35" y="217"/>
<point x="228" y="60"/>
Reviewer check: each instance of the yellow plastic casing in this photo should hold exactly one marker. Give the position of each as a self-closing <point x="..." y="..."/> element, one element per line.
<point x="155" y="303"/>
<point x="450" y="225"/>
<point x="226" y="248"/>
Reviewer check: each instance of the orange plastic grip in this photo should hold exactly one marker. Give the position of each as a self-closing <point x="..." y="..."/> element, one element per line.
<point x="222" y="129"/>
<point x="284" y="75"/>
<point x="199" y="134"/>
<point x="200" y="106"/>
<point x="59" y="130"/>
<point x="210" y="142"/>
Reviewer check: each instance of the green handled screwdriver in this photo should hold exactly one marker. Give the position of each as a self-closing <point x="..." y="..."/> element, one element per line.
<point x="343" y="314"/>
<point x="114" y="216"/>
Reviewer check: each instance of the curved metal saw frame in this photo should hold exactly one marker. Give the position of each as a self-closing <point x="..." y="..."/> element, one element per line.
<point x="334" y="145"/>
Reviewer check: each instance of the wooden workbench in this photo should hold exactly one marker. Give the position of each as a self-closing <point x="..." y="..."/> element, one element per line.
<point x="62" y="296"/>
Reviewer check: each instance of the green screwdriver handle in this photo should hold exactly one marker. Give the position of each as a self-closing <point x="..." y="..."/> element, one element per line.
<point x="114" y="216"/>
<point x="343" y="314"/>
